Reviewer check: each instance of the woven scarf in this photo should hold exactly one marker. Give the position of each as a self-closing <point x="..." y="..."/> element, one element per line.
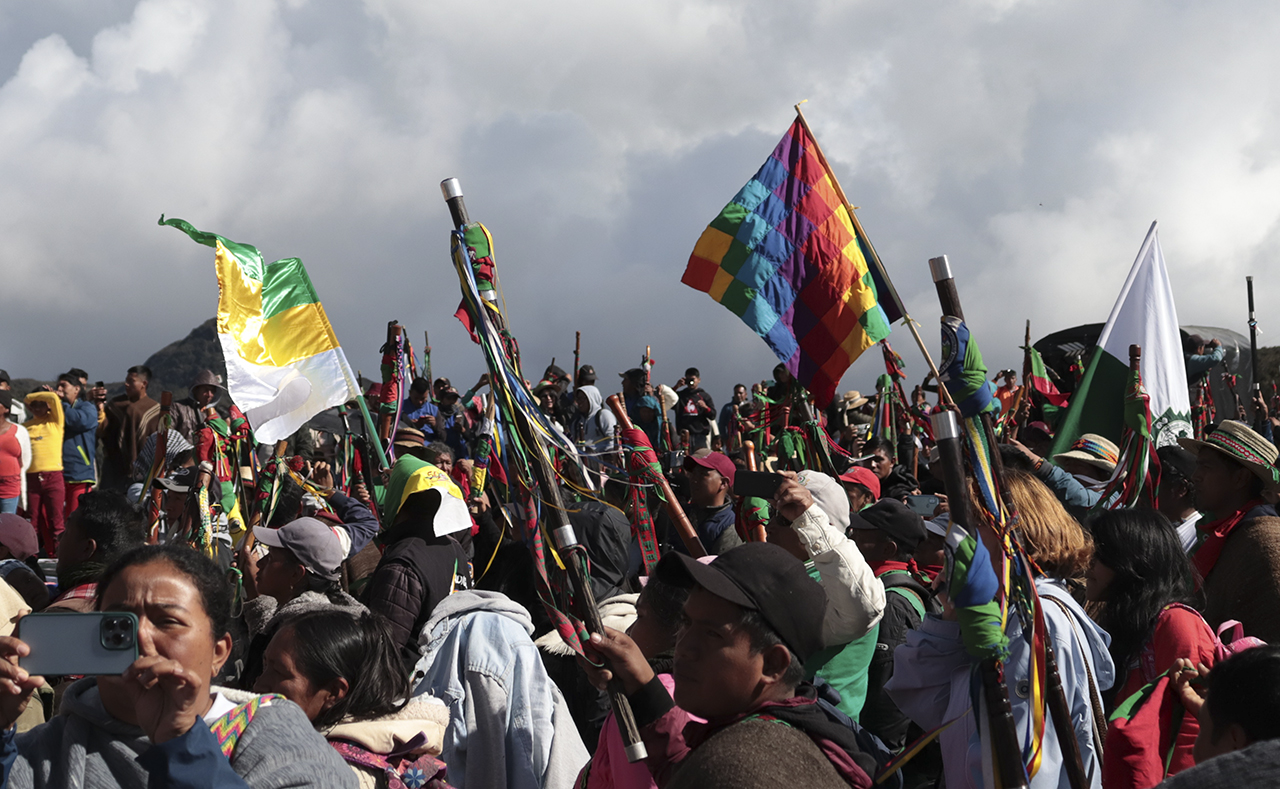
<point x="1215" y="538"/>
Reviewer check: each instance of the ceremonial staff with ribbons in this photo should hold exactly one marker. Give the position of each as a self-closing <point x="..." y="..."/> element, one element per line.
<point x="532" y="468"/>
<point x="962" y="367"/>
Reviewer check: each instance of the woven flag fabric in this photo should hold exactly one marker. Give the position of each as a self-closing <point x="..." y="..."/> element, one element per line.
<point x="786" y="257"/>
<point x="284" y="364"/>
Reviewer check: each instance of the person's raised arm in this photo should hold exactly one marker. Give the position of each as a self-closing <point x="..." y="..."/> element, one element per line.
<point x="855" y="597"/>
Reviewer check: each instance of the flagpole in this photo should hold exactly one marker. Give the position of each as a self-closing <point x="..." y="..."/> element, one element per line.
<point x="874" y="260"/>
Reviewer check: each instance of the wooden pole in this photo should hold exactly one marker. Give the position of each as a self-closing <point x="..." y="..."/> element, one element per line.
<point x="577" y="349"/>
<point x="761" y="533"/>
<point x="687" y="533"/>
<point x="874" y="259"/>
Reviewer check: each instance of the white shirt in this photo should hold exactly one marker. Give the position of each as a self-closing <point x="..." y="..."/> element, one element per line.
<point x="1187" y="531"/>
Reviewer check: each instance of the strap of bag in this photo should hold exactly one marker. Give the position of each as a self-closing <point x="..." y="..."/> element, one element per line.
<point x="229" y="726"/>
<point x="1095" y="698"/>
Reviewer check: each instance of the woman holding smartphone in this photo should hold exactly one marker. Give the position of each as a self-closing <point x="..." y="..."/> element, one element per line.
<point x="161" y="723"/>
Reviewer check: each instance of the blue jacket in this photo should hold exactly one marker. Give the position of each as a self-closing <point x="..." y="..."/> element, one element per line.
<point x="933" y="683"/>
<point x="409" y="414"/>
<point x="509" y="725"/>
<point x="79" y="441"/>
<point x="1075" y="497"/>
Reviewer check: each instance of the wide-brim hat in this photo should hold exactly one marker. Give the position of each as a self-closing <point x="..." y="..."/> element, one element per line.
<point x="542" y="385"/>
<point x="853" y="399"/>
<point x="1095" y="450"/>
<point x="1236" y="441"/>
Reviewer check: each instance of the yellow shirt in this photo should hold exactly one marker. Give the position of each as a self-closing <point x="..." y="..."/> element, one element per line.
<point x="45" y="433"/>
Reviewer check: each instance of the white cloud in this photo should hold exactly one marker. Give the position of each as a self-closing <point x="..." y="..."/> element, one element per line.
<point x="1032" y="142"/>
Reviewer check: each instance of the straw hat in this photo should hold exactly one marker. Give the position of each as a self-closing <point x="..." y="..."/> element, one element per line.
<point x="1236" y="441"/>
<point x="853" y="399"/>
<point x="1095" y="450"/>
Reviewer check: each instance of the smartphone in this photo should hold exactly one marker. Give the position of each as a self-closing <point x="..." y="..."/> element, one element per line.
<point x="88" y="644"/>
<point x="923" y="505"/>
<point x="99" y="385"/>
<point x="759" y="484"/>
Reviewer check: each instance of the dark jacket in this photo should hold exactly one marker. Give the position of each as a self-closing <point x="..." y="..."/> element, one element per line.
<point x="1244" y="583"/>
<point x="905" y="605"/>
<point x="605" y="533"/>
<point x="899" y="483"/>
<point x="412" y="578"/>
<point x="694" y="411"/>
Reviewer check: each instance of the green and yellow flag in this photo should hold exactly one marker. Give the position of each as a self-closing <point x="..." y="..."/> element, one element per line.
<point x="284" y="364"/>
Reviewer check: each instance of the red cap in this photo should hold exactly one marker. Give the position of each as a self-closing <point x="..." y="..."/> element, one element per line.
<point x="717" y="461"/>
<point x="861" y="475"/>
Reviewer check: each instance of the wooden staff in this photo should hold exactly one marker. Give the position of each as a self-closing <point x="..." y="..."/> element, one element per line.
<point x="387" y="421"/>
<point x="563" y="537"/>
<point x="1253" y="340"/>
<point x="761" y="533"/>
<point x="577" y="349"/>
<point x="158" y="462"/>
<point x="1023" y="414"/>
<point x="687" y="534"/>
<point x="1059" y="709"/>
<point x="426" y="366"/>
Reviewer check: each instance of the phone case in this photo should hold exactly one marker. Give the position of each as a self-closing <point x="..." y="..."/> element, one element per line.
<point x="70" y="643"/>
<point x="760" y="484"/>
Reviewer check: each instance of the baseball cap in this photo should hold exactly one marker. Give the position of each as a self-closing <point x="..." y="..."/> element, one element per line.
<point x="940" y="525"/>
<point x="19" y="536"/>
<point x="717" y="461"/>
<point x="180" y="481"/>
<point x="763" y="577"/>
<point x="829" y="495"/>
<point x="894" y="519"/>
<point x="587" y="374"/>
<point x="635" y="373"/>
<point x="315" y="544"/>
<point x="861" y="475"/>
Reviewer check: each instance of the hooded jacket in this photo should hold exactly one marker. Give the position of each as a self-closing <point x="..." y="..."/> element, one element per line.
<point x="933" y="678"/>
<point x="79" y="441"/>
<point x="84" y="747"/>
<point x="509" y="725"/>
<point x="595" y="426"/>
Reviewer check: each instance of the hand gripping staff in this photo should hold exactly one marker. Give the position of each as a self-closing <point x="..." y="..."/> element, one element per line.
<point x="989" y="473"/>
<point x="650" y="472"/>
<point x="522" y="420"/>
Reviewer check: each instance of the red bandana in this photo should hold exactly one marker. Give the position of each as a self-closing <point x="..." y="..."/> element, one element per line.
<point x="1216" y="533"/>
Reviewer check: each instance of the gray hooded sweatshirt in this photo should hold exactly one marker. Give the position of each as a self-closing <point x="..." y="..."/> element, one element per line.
<point x="509" y="725"/>
<point x="84" y="747"/>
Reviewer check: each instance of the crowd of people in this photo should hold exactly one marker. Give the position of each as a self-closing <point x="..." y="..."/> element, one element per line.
<point x="308" y="618"/>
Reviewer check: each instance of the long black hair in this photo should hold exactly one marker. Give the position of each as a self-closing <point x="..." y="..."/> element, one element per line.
<point x="1151" y="570"/>
<point x="359" y="648"/>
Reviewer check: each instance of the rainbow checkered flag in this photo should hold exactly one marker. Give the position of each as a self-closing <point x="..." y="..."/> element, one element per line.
<point x="788" y="257"/>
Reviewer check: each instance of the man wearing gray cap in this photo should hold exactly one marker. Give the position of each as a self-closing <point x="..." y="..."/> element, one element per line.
<point x="299" y="574"/>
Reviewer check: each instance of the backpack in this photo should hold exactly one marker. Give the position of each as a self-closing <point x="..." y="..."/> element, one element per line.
<point x="1154" y="714"/>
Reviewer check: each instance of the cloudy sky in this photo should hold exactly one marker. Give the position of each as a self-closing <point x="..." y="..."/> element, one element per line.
<point x="1033" y="142"/>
